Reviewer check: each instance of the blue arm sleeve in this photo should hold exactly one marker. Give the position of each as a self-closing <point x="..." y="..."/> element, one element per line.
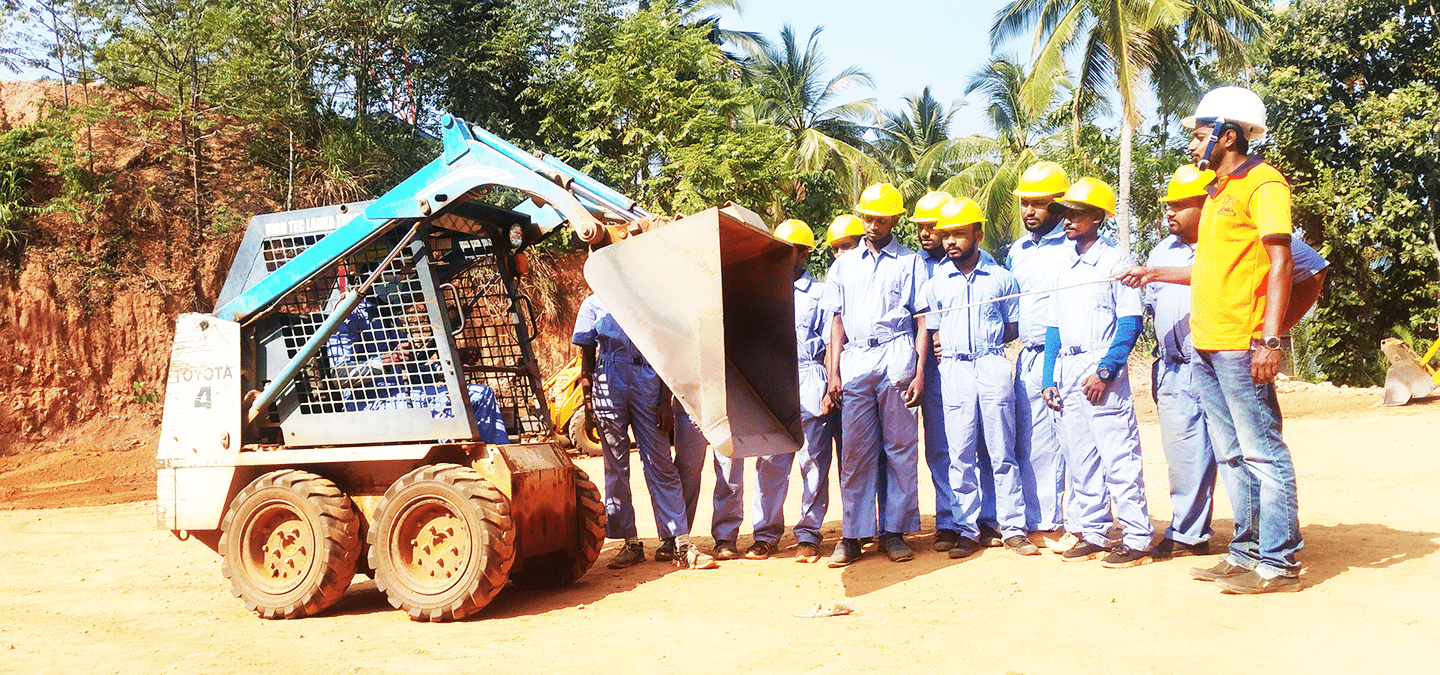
<point x="1052" y="352"/>
<point x="1126" y="330"/>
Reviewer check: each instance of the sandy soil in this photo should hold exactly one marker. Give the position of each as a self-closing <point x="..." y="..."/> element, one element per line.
<point x="97" y="589"/>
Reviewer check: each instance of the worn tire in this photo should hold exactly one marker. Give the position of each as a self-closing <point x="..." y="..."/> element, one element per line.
<point x="562" y="568"/>
<point x="441" y="542"/>
<point x="289" y="544"/>
<point x="581" y="439"/>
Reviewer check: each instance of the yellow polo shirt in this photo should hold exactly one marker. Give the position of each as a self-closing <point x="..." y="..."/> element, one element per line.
<point x="1228" y="285"/>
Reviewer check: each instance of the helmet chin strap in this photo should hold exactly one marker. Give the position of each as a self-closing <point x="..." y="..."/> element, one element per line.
<point x="1219" y="128"/>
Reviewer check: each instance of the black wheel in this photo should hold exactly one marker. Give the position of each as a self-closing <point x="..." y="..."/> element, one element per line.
<point x="584" y="438"/>
<point x="289" y="544"/>
<point x="562" y="568"/>
<point x="441" y="543"/>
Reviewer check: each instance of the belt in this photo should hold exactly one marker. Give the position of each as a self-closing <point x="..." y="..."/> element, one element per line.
<point x="877" y="341"/>
<point x="1035" y="348"/>
<point x="617" y="358"/>
<point x="1171" y="358"/>
<point x="973" y="356"/>
<point x="1072" y="351"/>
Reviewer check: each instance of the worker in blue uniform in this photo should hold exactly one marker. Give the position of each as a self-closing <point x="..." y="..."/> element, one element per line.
<point x="976" y="378"/>
<point x="1034" y="259"/>
<point x="772" y="473"/>
<point x="1090" y="331"/>
<point x="874" y="293"/>
<point x="932" y="413"/>
<point x="624" y="396"/>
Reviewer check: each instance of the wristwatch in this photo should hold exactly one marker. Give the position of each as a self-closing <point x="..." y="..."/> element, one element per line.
<point x="1104" y="374"/>
<point x="1271" y="343"/>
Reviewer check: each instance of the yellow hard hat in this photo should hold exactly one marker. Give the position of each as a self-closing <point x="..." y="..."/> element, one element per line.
<point x="1043" y="179"/>
<point x="844" y="226"/>
<point x="927" y="210"/>
<point x="796" y="232"/>
<point x="959" y="212"/>
<point x="881" y="199"/>
<point x="1188" y="181"/>
<point x="1086" y="193"/>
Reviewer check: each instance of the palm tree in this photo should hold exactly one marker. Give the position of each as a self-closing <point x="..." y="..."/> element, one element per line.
<point x="796" y="96"/>
<point x="904" y="138"/>
<point x="1126" y="42"/>
<point x="694" y="13"/>
<point x="1018" y="109"/>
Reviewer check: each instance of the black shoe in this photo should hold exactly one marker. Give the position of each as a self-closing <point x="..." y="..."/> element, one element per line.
<point x="630" y="554"/>
<point x="846" y="552"/>
<point x="964" y="548"/>
<point x="990" y="537"/>
<point x="1083" y="551"/>
<point x="1251" y="583"/>
<point x="944" y="540"/>
<point x="1124" y="556"/>
<point x="1221" y="570"/>
<point x="726" y="550"/>
<point x="1022" y="545"/>
<point x="759" y="550"/>
<point x="666" y="552"/>
<point x="896" y="548"/>
<point x="1169" y="548"/>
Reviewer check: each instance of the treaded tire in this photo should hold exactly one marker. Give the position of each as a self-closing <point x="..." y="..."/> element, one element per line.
<point x="562" y="568"/>
<point x="289" y="544"/>
<point x="580" y="439"/>
<point x="441" y="542"/>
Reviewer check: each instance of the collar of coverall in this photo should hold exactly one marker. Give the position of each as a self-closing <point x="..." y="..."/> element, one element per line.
<point x="1250" y="162"/>
<point x="1057" y="232"/>
<point x="981" y="267"/>
<point x="803" y="283"/>
<point x="1091" y="256"/>
<point x="891" y="249"/>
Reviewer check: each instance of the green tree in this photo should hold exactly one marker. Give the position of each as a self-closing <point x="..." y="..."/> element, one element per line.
<point x="1125" y="45"/>
<point x="796" y="95"/>
<point x="906" y="137"/>
<point x="1353" y="98"/>
<point x="643" y="105"/>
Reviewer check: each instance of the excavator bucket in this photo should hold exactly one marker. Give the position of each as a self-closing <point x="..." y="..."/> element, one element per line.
<point x="1408" y="378"/>
<point x="709" y="299"/>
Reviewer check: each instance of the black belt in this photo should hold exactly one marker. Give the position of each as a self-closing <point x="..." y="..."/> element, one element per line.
<point x="876" y="342"/>
<point x="1035" y="348"/>
<point x="969" y="357"/>
<point x="1169" y="358"/>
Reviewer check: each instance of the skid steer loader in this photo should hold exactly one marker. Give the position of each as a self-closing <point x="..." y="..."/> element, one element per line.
<point x="322" y="421"/>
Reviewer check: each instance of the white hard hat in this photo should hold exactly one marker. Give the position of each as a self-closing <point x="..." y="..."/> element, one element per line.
<point x="1236" y="105"/>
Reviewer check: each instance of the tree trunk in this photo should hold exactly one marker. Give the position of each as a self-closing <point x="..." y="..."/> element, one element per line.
<point x="1122" y="205"/>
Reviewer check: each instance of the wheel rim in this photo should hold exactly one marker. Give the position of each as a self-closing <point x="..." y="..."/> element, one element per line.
<point x="279" y="547"/>
<point x="430" y="546"/>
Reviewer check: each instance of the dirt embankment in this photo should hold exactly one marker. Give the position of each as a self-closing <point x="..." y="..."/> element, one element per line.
<point x="88" y="303"/>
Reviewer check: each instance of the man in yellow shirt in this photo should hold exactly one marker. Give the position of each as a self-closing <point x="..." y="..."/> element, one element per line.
<point x="1239" y="293"/>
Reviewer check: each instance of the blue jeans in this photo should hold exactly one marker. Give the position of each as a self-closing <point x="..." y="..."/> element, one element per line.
<point x="1244" y="423"/>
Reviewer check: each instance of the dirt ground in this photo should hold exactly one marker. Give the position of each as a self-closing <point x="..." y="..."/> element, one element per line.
<point x="98" y="589"/>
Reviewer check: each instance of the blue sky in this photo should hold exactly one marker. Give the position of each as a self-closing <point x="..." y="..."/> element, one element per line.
<point x="903" y="44"/>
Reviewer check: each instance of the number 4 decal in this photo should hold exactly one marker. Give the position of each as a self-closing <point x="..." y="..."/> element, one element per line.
<point x="202" y="398"/>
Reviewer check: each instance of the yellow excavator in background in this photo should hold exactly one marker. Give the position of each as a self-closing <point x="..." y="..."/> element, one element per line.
<point x="567" y="410"/>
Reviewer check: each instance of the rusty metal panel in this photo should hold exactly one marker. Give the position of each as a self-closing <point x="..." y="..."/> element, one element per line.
<point x="709" y="300"/>
<point x="540" y="482"/>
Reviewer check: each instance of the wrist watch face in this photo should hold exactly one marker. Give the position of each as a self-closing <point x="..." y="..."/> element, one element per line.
<point x="1104" y="374"/>
<point x="1272" y="343"/>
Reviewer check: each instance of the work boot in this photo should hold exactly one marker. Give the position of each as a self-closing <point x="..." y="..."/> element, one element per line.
<point x="759" y="550"/>
<point x="726" y="550"/>
<point x="666" y="552"/>
<point x="1251" y="583"/>
<point x="990" y="537"/>
<point x="806" y="552"/>
<point x="896" y="548"/>
<point x="1083" y="550"/>
<point x="1063" y="543"/>
<point x="690" y="557"/>
<point x="1124" y="556"/>
<point x="1221" y="570"/>
<point x="846" y="552"/>
<point x="631" y="554"/>
<point x="1169" y="548"/>
<point x="944" y="540"/>
<point x="964" y="548"/>
<point x="1021" y="545"/>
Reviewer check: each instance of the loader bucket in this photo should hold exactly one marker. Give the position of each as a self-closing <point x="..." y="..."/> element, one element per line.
<point x="1407" y="377"/>
<point x="709" y="300"/>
